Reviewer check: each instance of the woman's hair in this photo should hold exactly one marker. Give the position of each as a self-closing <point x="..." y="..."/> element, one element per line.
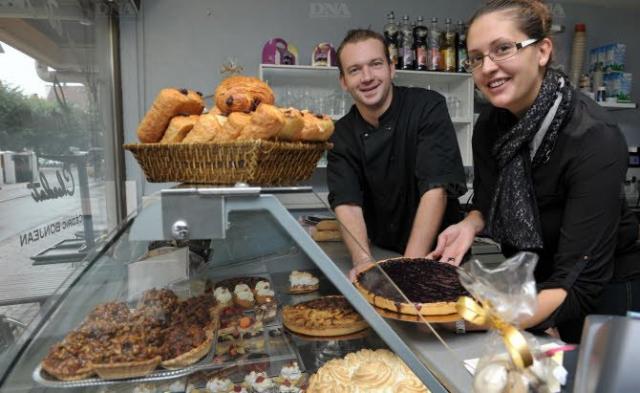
<point x="532" y="17"/>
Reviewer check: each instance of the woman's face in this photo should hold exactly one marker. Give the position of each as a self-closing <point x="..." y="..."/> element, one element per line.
<point x="513" y="83"/>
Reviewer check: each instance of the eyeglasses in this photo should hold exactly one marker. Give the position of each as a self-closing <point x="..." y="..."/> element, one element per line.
<point x="497" y="53"/>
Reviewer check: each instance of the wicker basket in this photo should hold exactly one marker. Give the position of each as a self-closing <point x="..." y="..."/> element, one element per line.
<point x="257" y="162"/>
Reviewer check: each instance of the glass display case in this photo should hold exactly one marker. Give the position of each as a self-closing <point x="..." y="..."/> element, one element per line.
<point x="193" y="240"/>
<point x="239" y="232"/>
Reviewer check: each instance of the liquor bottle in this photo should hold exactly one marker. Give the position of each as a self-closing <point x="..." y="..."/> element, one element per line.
<point x="461" y="47"/>
<point x="448" y="48"/>
<point x="420" y="33"/>
<point x="433" y="54"/>
<point x="406" y="57"/>
<point x="391" y="38"/>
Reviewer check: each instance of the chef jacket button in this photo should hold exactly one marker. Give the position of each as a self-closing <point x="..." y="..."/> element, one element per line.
<point x="366" y="135"/>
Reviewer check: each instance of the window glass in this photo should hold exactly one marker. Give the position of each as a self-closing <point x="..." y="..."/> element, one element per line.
<point x="55" y="153"/>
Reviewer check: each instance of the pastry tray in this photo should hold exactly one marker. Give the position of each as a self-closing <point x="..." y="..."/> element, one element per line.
<point x="282" y="353"/>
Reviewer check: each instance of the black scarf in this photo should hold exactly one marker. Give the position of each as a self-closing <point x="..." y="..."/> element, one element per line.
<point x="514" y="219"/>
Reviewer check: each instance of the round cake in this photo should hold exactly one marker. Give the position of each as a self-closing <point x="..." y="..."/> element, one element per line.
<point x="323" y="317"/>
<point x="431" y="287"/>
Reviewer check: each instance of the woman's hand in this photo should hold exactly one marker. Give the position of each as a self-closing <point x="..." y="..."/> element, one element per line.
<point x="453" y="243"/>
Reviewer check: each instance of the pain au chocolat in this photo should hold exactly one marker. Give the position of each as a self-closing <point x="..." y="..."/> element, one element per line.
<point x="431" y="287"/>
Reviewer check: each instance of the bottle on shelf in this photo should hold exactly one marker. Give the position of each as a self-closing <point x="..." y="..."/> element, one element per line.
<point x="433" y="54"/>
<point x="391" y="38"/>
<point x="406" y="56"/>
<point x="420" y="34"/>
<point x="577" y="53"/>
<point x="448" y="47"/>
<point x="461" y="47"/>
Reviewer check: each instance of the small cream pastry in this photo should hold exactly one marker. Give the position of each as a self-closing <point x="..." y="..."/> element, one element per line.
<point x="223" y="296"/>
<point x="302" y="282"/>
<point x="250" y="378"/>
<point x="262" y="285"/>
<point x="174" y="386"/>
<point x="144" y="388"/>
<point x="238" y="389"/>
<point x="243" y="296"/>
<point x="284" y="388"/>
<point x="264" y="295"/>
<point x="291" y="372"/>
<point x="217" y="385"/>
<point x="263" y="384"/>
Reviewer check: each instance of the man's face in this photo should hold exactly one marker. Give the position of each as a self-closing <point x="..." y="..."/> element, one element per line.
<point x="367" y="74"/>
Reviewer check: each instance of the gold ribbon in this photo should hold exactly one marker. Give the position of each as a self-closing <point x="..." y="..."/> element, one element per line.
<point x="482" y="314"/>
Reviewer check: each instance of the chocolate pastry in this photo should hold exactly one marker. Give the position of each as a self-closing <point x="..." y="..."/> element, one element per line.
<point x="317" y="127"/>
<point x="242" y="94"/>
<point x="168" y="104"/>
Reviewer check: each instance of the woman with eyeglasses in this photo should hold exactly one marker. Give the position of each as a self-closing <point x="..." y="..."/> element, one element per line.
<point x="549" y="169"/>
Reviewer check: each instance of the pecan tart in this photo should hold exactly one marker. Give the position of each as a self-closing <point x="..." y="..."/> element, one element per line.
<point x="431" y="287"/>
<point x="117" y="343"/>
<point x="323" y="317"/>
<point x="185" y="345"/>
<point x="133" y="352"/>
<point x="70" y="359"/>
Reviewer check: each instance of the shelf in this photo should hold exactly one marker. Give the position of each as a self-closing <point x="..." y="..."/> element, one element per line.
<point x="618" y="105"/>
<point x="303" y="85"/>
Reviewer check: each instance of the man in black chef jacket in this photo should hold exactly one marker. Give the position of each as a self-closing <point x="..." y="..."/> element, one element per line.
<point x="395" y="172"/>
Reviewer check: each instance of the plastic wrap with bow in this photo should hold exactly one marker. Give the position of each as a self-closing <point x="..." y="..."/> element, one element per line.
<point x="505" y="295"/>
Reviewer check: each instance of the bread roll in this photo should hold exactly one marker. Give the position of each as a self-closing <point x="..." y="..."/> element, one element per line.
<point x="328" y="225"/>
<point x="242" y="94"/>
<point x="326" y="236"/>
<point x="317" y="128"/>
<point x="231" y="129"/>
<point x="265" y="123"/>
<point x="179" y="127"/>
<point x="293" y="124"/>
<point x="205" y="129"/>
<point x="167" y="104"/>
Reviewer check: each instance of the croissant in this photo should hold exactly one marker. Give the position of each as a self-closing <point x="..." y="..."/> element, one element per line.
<point x="205" y="128"/>
<point x="242" y="94"/>
<point x="265" y="123"/>
<point x="178" y="128"/>
<point x="231" y="129"/>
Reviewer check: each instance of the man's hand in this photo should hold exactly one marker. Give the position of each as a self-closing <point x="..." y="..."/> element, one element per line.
<point x="453" y="243"/>
<point x="353" y="273"/>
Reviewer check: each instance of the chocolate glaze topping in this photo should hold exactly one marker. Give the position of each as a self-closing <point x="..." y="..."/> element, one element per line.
<point x="184" y="91"/>
<point x="421" y="280"/>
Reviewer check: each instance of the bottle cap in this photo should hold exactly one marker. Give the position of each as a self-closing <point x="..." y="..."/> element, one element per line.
<point x="581" y="27"/>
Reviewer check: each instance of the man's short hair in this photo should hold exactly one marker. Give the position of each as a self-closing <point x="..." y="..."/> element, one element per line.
<point x="359" y="35"/>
